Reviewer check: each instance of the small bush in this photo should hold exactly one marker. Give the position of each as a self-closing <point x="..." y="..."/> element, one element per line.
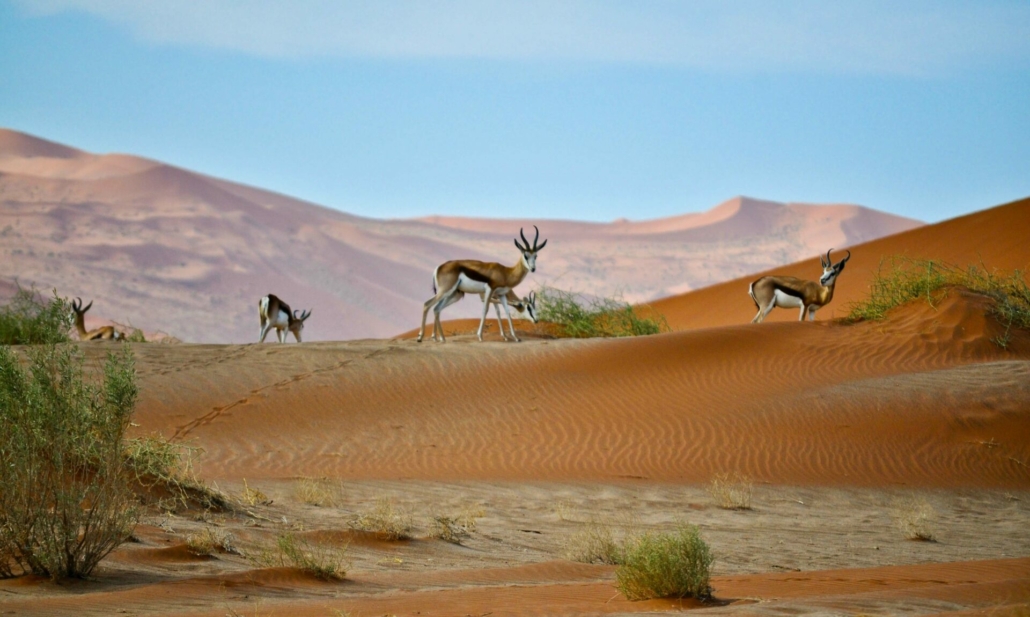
<point x="319" y="560"/>
<point x="208" y="542"/>
<point x="603" y="317"/>
<point x="731" y="491"/>
<point x="917" y="519"/>
<point x="900" y="280"/>
<point x="65" y="499"/>
<point x="385" y="520"/>
<point x="252" y="496"/>
<point x="594" y="543"/>
<point x="457" y="528"/>
<point x="31" y="320"/>
<point x="666" y="565"/>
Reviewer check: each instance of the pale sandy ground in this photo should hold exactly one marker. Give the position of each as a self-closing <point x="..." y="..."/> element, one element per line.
<point x="840" y="426"/>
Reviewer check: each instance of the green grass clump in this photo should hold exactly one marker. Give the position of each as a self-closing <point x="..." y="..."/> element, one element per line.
<point x="65" y="498"/>
<point x="677" y="564"/>
<point x="900" y="280"/>
<point x="602" y="317"/>
<point x="29" y="319"/>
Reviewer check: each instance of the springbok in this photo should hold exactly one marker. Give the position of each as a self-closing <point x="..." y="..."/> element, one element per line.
<point x="105" y="333"/>
<point x="491" y="281"/>
<point x="275" y="313"/>
<point x="769" y="292"/>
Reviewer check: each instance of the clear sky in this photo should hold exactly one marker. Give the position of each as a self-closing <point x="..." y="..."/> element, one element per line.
<point x="581" y="109"/>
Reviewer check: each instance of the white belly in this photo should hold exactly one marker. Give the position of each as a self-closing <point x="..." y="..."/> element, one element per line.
<point x="469" y="286"/>
<point x="281" y="320"/>
<point x="786" y="300"/>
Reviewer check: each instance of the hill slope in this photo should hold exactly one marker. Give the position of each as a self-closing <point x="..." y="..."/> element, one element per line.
<point x="168" y="249"/>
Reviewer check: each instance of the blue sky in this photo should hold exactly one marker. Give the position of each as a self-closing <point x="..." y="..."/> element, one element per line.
<point x="580" y="109"/>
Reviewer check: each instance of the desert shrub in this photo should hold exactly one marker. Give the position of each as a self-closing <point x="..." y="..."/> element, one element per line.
<point x="322" y="561"/>
<point x="731" y="491"/>
<point x="136" y="336"/>
<point x="157" y="462"/>
<point x="321" y="492"/>
<point x="666" y="565"/>
<point x="29" y="319"/>
<point x="916" y="518"/>
<point x="594" y="543"/>
<point x="65" y="499"/>
<point x="601" y="317"/>
<point x="900" y="280"/>
<point x="384" y="519"/>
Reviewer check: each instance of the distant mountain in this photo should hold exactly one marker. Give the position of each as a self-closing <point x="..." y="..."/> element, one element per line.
<point x="168" y="249"/>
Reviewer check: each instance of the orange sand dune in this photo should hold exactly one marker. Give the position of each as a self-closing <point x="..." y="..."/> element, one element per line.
<point x="996" y="237"/>
<point x="907" y="401"/>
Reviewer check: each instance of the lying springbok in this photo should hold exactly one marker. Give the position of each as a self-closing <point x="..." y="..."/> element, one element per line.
<point x="491" y="281"/>
<point x="769" y="292"/>
<point x="275" y="313"/>
<point x="103" y="333"/>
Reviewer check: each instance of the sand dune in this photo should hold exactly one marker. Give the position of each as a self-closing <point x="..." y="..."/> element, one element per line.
<point x="995" y="238"/>
<point x="168" y="249"/>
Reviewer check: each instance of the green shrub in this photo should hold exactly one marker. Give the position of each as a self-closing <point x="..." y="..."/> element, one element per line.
<point x="900" y="280"/>
<point x="29" y="319"/>
<point x="603" y="317"/>
<point x="65" y="500"/>
<point x="666" y="565"/>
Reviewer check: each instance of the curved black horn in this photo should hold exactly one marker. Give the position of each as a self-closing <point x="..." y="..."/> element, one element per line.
<point x="828" y="260"/>
<point x="524" y="241"/>
<point x="536" y="237"/>
<point x="305" y="314"/>
<point x="846" y="258"/>
<point x="85" y="308"/>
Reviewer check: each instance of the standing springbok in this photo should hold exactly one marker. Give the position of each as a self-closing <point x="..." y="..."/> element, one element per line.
<point x="276" y="314"/>
<point x="769" y="292"/>
<point x="491" y="281"/>
<point x="102" y="333"/>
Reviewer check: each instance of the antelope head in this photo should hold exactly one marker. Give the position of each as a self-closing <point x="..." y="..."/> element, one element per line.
<point x="830" y="269"/>
<point x="528" y="252"/>
<point x="298" y="323"/>
<point x="78" y="308"/>
<point x="527" y="306"/>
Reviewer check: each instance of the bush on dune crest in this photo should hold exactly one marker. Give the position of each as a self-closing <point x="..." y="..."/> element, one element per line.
<point x="602" y="317"/>
<point x="900" y="280"/>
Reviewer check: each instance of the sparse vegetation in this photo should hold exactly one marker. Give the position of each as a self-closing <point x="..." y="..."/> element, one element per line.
<point x="731" y="491"/>
<point x="900" y="280"/>
<point x="594" y="543"/>
<point x="385" y="520"/>
<point x="916" y="518"/>
<point x="252" y="496"/>
<point x="457" y="528"/>
<point x="602" y="317"/>
<point x="65" y="499"/>
<point x="157" y="462"/>
<point x="677" y="564"/>
<point x="29" y="319"/>
<point x="321" y="492"/>
<point x="208" y="542"/>
<point x="322" y="561"/>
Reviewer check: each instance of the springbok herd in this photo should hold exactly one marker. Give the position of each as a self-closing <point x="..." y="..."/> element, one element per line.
<point x="494" y="283"/>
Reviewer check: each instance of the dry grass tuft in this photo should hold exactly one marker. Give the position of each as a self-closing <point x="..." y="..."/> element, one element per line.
<point x="457" y="528"/>
<point x="321" y="492"/>
<point x="594" y="543"/>
<point x="322" y="561"/>
<point x="731" y="491"/>
<point x="252" y="496"/>
<point x="916" y="518"/>
<point x="385" y="520"/>
<point x="208" y="542"/>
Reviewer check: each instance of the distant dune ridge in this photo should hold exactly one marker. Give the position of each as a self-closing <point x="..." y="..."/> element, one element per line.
<point x="162" y="248"/>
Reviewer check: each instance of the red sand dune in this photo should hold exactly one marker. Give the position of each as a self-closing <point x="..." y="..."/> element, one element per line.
<point x="996" y="238"/>
<point x="171" y="250"/>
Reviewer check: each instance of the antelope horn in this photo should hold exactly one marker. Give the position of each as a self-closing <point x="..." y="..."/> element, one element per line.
<point x="828" y="260"/>
<point x="83" y="309"/>
<point x="846" y="258"/>
<point x="75" y="307"/>
<point x="305" y="314"/>
<point x="524" y="241"/>
<point x="537" y="237"/>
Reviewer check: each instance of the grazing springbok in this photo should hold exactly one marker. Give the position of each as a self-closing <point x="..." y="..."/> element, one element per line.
<point x="276" y="314"/>
<point x="103" y="333"/>
<point x="491" y="281"/>
<point x="769" y="292"/>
